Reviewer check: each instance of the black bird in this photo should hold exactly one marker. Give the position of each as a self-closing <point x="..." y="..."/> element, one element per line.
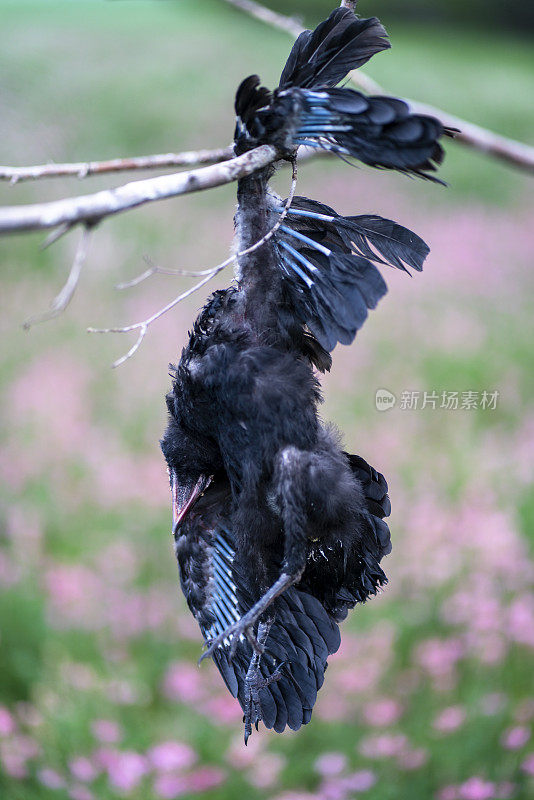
<point x="278" y="531"/>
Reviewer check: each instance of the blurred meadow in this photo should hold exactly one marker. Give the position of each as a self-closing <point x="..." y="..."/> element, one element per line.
<point x="431" y="695"/>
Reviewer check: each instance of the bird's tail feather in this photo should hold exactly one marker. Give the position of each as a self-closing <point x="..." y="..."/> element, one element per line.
<point x="300" y="640"/>
<point x="327" y="263"/>
<point x="342" y="42"/>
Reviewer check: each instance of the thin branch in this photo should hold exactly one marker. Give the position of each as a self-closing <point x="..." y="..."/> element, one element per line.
<point x="92" y="208"/>
<point x="83" y="169"/>
<point x="510" y="150"/>
<point x="55" y="235"/>
<point x="61" y="301"/>
<point x="289" y="24"/>
<point x="501" y="147"/>
<point x="142" y="326"/>
<point x="154" y="269"/>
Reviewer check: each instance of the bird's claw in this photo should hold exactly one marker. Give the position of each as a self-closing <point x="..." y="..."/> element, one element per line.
<point x="253" y="684"/>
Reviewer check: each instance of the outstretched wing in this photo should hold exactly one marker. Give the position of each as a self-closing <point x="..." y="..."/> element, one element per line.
<point x="329" y="266"/>
<point x="300" y="639"/>
<point x="380" y="131"/>
<point x="308" y="108"/>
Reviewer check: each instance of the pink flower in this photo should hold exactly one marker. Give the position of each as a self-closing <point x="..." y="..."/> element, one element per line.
<point x="15" y="752"/>
<point x="360" y="781"/>
<point x="476" y="789"/>
<point x="266" y="770"/>
<point x="521" y="619"/>
<point x="333" y="789"/>
<point x="7" y="723"/>
<point x="450" y="719"/>
<point x="448" y="793"/>
<point x="168" y="756"/>
<point x="83" y="769"/>
<point x="330" y="764"/>
<point x="79" y="792"/>
<point x="382" y="712"/>
<point x="413" y="759"/>
<point x="240" y="756"/>
<point x="105" y="756"/>
<point x="170" y="786"/>
<point x="222" y="709"/>
<point x="384" y="746"/>
<point x="50" y="778"/>
<point x="334" y="707"/>
<point x="106" y="731"/>
<point x="14" y="765"/>
<point x="439" y="656"/>
<point x="528" y="764"/>
<point x="126" y="770"/>
<point x="183" y="682"/>
<point x="205" y="778"/>
<point x="505" y="790"/>
<point x="515" y="738"/>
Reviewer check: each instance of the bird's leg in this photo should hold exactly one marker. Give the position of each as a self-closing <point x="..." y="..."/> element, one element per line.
<point x="254" y="681"/>
<point x="245" y="625"/>
<point x="290" y="481"/>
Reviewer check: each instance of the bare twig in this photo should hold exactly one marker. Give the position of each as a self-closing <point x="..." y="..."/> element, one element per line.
<point x="55" y="235"/>
<point x="92" y="208"/>
<point x="154" y="269"/>
<point x="142" y="326"/>
<point x="83" y="169"/>
<point x="501" y="147"/>
<point x="289" y="24"/>
<point x="61" y="301"/>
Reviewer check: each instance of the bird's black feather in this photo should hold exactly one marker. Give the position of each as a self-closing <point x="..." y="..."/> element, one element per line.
<point x="327" y="263"/>
<point x="378" y="239"/>
<point x="339" y="44"/>
<point x="380" y="131"/>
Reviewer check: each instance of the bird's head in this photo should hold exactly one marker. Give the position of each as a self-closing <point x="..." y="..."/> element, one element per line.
<point x="191" y="468"/>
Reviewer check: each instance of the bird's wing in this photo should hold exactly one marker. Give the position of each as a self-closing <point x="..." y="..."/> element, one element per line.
<point x="343" y="576"/>
<point x="342" y="42"/>
<point x="308" y="108"/>
<point x="300" y="639"/>
<point x="380" y="131"/>
<point x="328" y="263"/>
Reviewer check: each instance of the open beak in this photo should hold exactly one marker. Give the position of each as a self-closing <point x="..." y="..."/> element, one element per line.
<point x="184" y="496"/>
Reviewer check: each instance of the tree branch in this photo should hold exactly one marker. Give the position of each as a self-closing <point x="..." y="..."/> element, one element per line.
<point x="493" y="144"/>
<point x="154" y="269"/>
<point x="82" y="169"/>
<point x="142" y="326"/>
<point x="289" y="24"/>
<point x="92" y="208"/>
<point x="501" y="147"/>
<point x="61" y="301"/>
